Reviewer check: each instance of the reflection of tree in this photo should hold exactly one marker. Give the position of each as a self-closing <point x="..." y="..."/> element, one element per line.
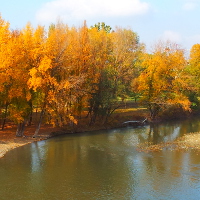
<point x="165" y="132"/>
<point x="190" y="126"/>
<point x="86" y="165"/>
<point x="37" y="157"/>
<point x="154" y="136"/>
<point x="168" y="170"/>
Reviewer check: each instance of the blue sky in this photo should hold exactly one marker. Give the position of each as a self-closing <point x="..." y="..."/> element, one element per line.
<point x="153" y="20"/>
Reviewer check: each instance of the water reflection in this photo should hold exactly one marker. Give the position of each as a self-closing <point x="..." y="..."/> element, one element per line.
<point x="103" y="165"/>
<point x="38" y="156"/>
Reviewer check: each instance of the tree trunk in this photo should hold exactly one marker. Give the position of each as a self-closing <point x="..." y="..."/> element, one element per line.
<point x="39" y="124"/>
<point x="154" y="110"/>
<point x="5" y="117"/>
<point x="109" y="114"/>
<point x="20" y="129"/>
<point x="30" y="119"/>
<point x="31" y="114"/>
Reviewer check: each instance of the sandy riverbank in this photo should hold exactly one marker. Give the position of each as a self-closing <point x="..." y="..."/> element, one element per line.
<point x="9" y="145"/>
<point x="9" y="141"/>
<point x="186" y="142"/>
<point x="14" y="142"/>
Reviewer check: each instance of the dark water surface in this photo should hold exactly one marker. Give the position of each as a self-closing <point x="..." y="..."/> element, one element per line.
<point x="103" y="165"/>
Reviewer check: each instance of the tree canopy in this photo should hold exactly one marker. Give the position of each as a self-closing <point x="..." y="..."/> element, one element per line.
<point x="65" y="71"/>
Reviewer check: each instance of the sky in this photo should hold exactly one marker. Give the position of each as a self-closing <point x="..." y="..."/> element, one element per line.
<point x="153" y="20"/>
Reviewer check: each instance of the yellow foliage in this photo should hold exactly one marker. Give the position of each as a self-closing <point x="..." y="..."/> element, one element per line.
<point x="161" y="83"/>
<point x="73" y="119"/>
<point x="63" y="69"/>
<point x="45" y="65"/>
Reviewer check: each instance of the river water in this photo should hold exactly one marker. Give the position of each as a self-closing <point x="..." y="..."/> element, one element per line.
<point x="103" y="165"/>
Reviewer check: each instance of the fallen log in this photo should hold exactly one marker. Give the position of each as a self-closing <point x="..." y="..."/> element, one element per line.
<point x="135" y="123"/>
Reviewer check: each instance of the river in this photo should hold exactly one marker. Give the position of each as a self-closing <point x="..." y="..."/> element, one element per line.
<point x="103" y="165"/>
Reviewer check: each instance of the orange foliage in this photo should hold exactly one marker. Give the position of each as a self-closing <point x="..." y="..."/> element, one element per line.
<point x="64" y="71"/>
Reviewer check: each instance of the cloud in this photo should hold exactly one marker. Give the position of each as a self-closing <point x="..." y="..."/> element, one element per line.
<point x="186" y="41"/>
<point x="189" y="5"/>
<point x="88" y="9"/>
<point x="171" y="36"/>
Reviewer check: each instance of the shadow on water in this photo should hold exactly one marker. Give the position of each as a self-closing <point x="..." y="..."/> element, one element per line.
<point x="103" y="165"/>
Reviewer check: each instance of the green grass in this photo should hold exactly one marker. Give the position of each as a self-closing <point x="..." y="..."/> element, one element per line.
<point x="126" y="110"/>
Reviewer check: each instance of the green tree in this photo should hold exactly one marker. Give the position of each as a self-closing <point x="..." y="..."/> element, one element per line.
<point x="102" y="26"/>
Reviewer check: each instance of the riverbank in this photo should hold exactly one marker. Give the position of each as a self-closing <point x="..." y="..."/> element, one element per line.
<point x="11" y="144"/>
<point x="186" y="142"/>
<point x="9" y="141"/>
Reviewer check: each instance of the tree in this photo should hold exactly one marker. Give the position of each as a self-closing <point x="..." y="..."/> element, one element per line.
<point x="4" y="80"/>
<point x="102" y="26"/>
<point x="194" y="67"/>
<point x="193" y="76"/>
<point x="99" y="72"/>
<point x="161" y="83"/>
<point x="113" y="65"/>
<point x="127" y="52"/>
<point x="14" y="77"/>
<point x="59" y="74"/>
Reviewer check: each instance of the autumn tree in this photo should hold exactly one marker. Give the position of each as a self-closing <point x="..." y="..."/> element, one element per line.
<point x="113" y="65"/>
<point x="64" y="71"/>
<point x="127" y="52"/>
<point x="4" y="80"/>
<point x="100" y="89"/>
<point x="161" y="83"/>
<point x="193" y="72"/>
<point x="60" y="74"/>
<point x="14" y="85"/>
